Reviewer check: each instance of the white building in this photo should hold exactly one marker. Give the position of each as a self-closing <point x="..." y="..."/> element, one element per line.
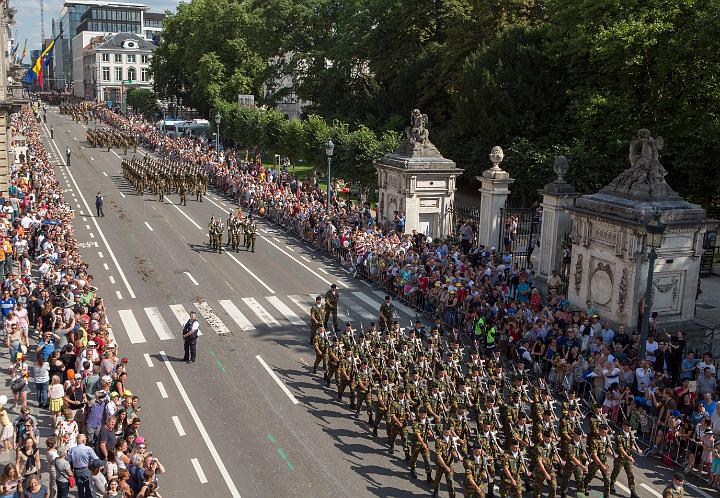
<point x="111" y="64"/>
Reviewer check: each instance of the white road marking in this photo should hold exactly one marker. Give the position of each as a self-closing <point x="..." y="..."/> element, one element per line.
<point x="123" y="195"/>
<point x="697" y="490"/>
<point x="211" y="318"/>
<point x="102" y="235"/>
<point x="199" y="471"/>
<point x="131" y="326"/>
<point x="85" y="219"/>
<point x="75" y="138"/>
<point x="162" y="390"/>
<point x="622" y="486"/>
<point x="251" y="273"/>
<point x="285" y="310"/>
<point x="116" y="154"/>
<point x="192" y="279"/>
<point x="208" y="442"/>
<point x="118" y="294"/>
<point x="105" y="265"/>
<point x="92" y="158"/>
<point x="87" y="227"/>
<point x="301" y="303"/>
<point x="82" y="147"/>
<point x="100" y="255"/>
<point x="92" y="235"/>
<point x="96" y="244"/>
<point x="324" y="271"/>
<point x="112" y="279"/>
<point x="159" y="324"/>
<point x="398" y="305"/>
<point x="261" y="312"/>
<point x="306" y="259"/>
<point x="651" y="490"/>
<point x="178" y="425"/>
<point x="104" y="174"/>
<point x="148" y="360"/>
<point x="369" y="300"/>
<point x="183" y="213"/>
<point x="298" y="261"/>
<point x="218" y="205"/>
<point x="277" y="380"/>
<point x="236" y="315"/>
<point x="180" y="313"/>
<point x="149" y="227"/>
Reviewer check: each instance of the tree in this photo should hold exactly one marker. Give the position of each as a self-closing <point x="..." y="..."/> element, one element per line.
<point x="142" y="100"/>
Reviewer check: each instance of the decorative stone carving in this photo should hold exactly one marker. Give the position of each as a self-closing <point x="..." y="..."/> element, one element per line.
<point x="496" y="156"/>
<point x="417" y="138"/>
<point x="605" y="235"/>
<point x="578" y="273"/>
<point x="645" y="179"/>
<point x="622" y="294"/>
<point x="561" y="167"/>
<point x="601" y="284"/>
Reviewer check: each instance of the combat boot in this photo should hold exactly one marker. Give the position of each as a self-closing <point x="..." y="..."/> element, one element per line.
<point x="633" y="494"/>
<point x="407" y="456"/>
<point x="413" y="474"/>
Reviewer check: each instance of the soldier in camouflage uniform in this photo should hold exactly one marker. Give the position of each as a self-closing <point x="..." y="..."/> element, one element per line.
<point x="422" y="433"/>
<point x="397" y="418"/>
<point x="676" y="489"/>
<point x="477" y="476"/>
<point x="599" y="448"/>
<point x="544" y="459"/>
<point x="625" y="445"/>
<point x="363" y="385"/>
<point x="513" y="467"/>
<point x="315" y="318"/>
<point x="385" y="317"/>
<point x="444" y="459"/>
<point x="321" y="344"/>
<point x="576" y="464"/>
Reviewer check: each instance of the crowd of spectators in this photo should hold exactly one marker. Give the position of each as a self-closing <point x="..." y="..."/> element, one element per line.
<point x="64" y="361"/>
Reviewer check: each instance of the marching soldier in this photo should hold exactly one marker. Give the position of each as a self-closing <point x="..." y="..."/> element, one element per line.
<point x="477" y="476"/>
<point x="513" y="465"/>
<point x="331" y="303"/>
<point x="386" y="314"/>
<point x="250" y="229"/>
<point x="346" y="376"/>
<point x="384" y="398"/>
<point x="544" y="459"/>
<point x="397" y="422"/>
<point x="576" y="464"/>
<point x="364" y="390"/>
<point x="315" y="318"/>
<point x="322" y="345"/>
<point x="444" y="458"/>
<point x="599" y="449"/>
<point x="676" y="489"/>
<point x="422" y="432"/>
<point x="625" y="443"/>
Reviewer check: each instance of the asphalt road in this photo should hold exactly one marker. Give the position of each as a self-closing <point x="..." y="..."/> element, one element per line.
<point x="248" y="418"/>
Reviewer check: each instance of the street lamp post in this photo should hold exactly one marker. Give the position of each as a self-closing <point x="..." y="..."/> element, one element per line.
<point x="217" y="136"/>
<point x="655" y="230"/>
<point x="329" y="148"/>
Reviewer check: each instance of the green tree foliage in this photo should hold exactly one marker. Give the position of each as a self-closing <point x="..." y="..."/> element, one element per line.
<point x="538" y="77"/>
<point x="142" y="100"/>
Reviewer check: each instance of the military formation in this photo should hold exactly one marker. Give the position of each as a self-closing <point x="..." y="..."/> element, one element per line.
<point x="164" y="176"/>
<point x="81" y="112"/>
<point x="111" y="138"/>
<point x="236" y="225"/>
<point x="470" y="406"/>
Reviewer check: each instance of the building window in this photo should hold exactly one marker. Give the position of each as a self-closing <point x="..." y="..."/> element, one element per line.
<point x="118" y="58"/>
<point x="144" y="74"/>
<point x="106" y="74"/>
<point x="131" y="74"/>
<point x="118" y="74"/>
<point x="131" y="58"/>
<point x="144" y="59"/>
<point x="106" y="57"/>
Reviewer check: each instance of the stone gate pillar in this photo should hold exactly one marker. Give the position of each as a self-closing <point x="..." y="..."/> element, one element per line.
<point x="493" y="194"/>
<point x="558" y="196"/>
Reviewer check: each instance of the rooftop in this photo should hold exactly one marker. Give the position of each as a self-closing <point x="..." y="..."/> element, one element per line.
<point x="102" y="3"/>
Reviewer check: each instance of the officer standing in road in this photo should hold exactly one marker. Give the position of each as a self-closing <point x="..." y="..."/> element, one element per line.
<point x="316" y="317"/>
<point x="386" y="314"/>
<point x="676" y="489"/>
<point x="67" y="156"/>
<point x="99" y="201"/>
<point x="190" y="335"/>
<point x="52" y="132"/>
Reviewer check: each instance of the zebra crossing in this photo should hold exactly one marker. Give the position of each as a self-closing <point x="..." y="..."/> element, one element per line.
<point x="247" y="314"/>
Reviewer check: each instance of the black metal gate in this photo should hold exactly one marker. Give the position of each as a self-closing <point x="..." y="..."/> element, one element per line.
<point x="708" y="256"/>
<point x="520" y="233"/>
<point x="462" y="213"/>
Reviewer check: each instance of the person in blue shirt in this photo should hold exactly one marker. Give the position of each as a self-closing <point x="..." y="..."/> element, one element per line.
<point x="46" y="346"/>
<point x="81" y="457"/>
<point x="7" y="304"/>
<point x="709" y="403"/>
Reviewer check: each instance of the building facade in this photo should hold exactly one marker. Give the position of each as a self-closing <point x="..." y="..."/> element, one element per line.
<point x="111" y="64"/>
<point x="98" y="17"/>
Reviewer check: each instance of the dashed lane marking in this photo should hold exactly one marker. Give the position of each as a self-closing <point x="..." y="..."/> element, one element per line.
<point x="192" y="279"/>
<point x="178" y="426"/>
<point x="105" y="265"/>
<point x="104" y="174"/>
<point x="149" y="227"/>
<point x="162" y="390"/>
<point x="148" y="360"/>
<point x="118" y="294"/>
<point x="112" y="279"/>
<point x="251" y="273"/>
<point x="199" y="471"/>
<point x="100" y="255"/>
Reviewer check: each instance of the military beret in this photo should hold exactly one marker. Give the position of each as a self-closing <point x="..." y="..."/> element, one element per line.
<point x="679" y="476"/>
<point x="578" y="432"/>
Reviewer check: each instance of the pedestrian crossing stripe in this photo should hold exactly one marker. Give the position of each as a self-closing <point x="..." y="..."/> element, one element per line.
<point x="247" y="314"/>
<point x="261" y="312"/>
